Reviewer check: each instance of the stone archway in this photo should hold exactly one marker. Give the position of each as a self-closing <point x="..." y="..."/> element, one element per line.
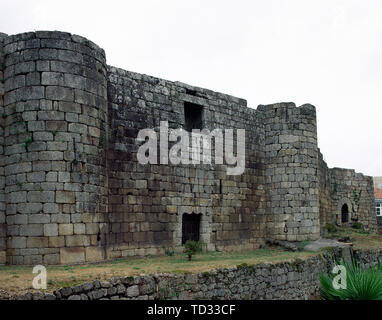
<point x="344" y="213"/>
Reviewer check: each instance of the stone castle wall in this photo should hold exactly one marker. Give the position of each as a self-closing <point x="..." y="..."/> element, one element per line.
<point x="148" y="201"/>
<point x="327" y="215"/>
<point x="345" y="186"/>
<point x="3" y="225"/>
<point x="73" y="188"/>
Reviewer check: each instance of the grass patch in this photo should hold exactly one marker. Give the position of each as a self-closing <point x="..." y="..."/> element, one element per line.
<point x="361" y="239"/>
<point x="19" y="278"/>
<point x="302" y="244"/>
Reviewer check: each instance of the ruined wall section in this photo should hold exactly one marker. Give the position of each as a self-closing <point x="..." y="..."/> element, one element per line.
<point x="55" y="115"/>
<point x="3" y="226"/>
<point x="291" y="171"/>
<point x="357" y="191"/>
<point x="326" y="195"/>
<point x="147" y="202"/>
<point x="337" y="187"/>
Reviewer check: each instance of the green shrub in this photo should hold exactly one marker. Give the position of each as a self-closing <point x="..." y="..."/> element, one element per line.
<point x="331" y="227"/>
<point x="357" y="225"/>
<point x="169" y="251"/>
<point x="361" y="283"/>
<point x="191" y="248"/>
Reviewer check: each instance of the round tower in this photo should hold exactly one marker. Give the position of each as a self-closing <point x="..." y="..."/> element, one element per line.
<point x="291" y="161"/>
<point x="55" y="111"/>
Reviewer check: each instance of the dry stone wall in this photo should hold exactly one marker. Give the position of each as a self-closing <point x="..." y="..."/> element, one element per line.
<point x="296" y="280"/>
<point x="72" y="190"/>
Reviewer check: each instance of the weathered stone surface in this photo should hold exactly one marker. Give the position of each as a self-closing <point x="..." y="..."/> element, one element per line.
<point x="72" y="255"/>
<point x="65" y="197"/>
<point x="70" y="177"/>
<point x="94" y="254"/>
<point x="132" y="291"/>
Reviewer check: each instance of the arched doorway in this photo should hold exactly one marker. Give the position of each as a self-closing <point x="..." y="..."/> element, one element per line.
<point x="345" y="213"/>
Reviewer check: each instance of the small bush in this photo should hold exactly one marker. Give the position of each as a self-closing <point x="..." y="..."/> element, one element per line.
<point x="357" y="225"/>
<point x="191" y="248"/>
<point x="331" y="228"/>
<point x="361" y="283"/>
<point x="169" y="251"/>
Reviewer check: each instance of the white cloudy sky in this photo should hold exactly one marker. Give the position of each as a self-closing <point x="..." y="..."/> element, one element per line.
<point x="327" y="53"/>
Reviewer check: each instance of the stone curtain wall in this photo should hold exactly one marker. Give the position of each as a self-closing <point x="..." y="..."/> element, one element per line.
<point x="55" y="115"/>
<point x="349" y="185"/>
<point x="147" y="202"/>
<point x="343" y="186"/>
<point x="291" y="171"/>
<point x="3" y="225"/>
<point x="327" y="214"/>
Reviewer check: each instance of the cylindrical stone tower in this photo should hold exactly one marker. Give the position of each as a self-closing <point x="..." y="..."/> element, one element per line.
<point x="291" y="162"/>
<point x="55" y="111"/>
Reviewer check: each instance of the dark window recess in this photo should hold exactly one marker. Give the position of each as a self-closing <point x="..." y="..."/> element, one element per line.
<point x="345" y="213"/>
<point x="190" y="227"/>
<point x="193" y="116"/>
<point x="191" y="92"/>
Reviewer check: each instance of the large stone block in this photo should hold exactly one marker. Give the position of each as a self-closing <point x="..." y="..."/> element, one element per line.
<point x="18" y="242"/>
<point x="60" y="94"/>
<point x="78" y="240"/>
<point x="53" y="258"/>
<point x="65" y="229"/>
<point x="94" y="254"/>
<point x="57" y="242"/>
<point x="40" y="196"/>
<point x="37" y="242"/>
<point x="65" y="197"/>
<point x="51" y="229"/>
<point x="72" y="255"/>
<point x="32" y="230"/>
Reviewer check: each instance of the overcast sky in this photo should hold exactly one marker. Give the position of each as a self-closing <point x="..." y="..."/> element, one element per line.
<point x="327" y="53"/>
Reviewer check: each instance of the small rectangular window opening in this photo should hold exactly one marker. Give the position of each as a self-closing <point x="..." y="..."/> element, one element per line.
<point x="193" y="116"/>
<point x="190" y="227"/>
<point x="191" y="92"/>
